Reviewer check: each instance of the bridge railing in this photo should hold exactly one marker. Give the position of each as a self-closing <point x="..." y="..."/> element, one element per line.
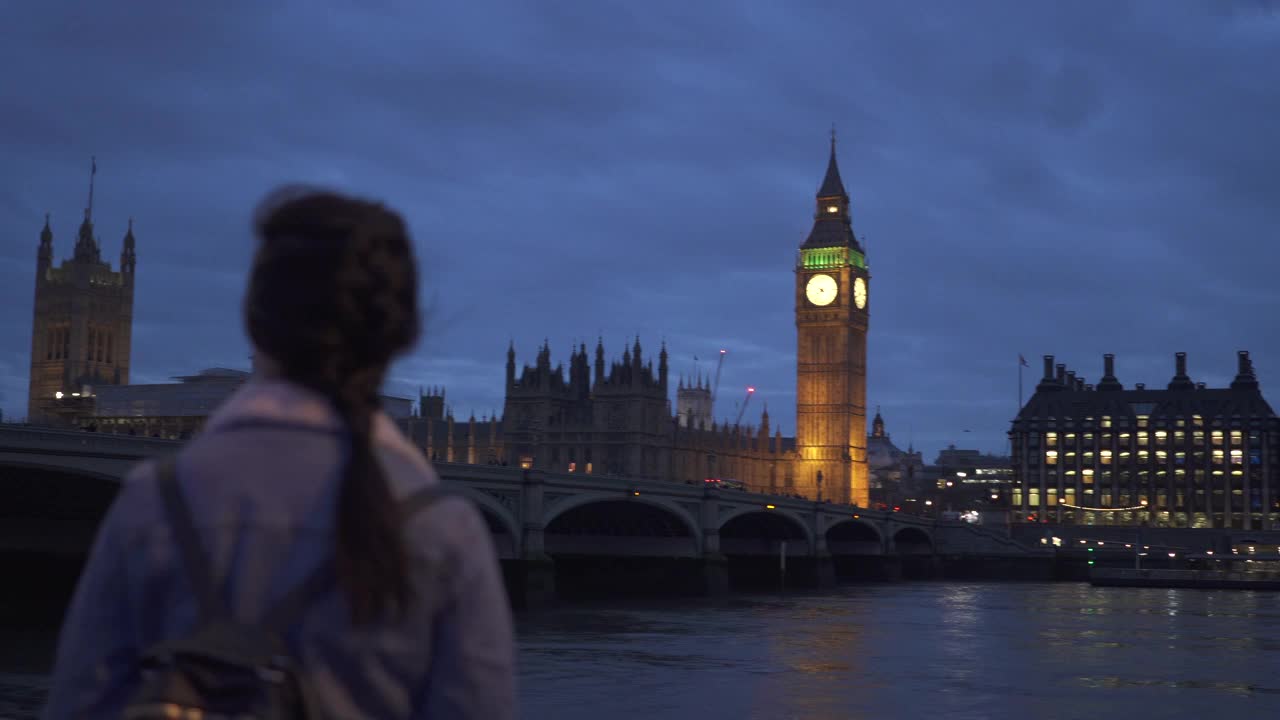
<point x="34" y="437"/>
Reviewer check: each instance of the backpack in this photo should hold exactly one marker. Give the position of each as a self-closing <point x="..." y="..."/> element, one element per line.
<point x="226" y="668"/>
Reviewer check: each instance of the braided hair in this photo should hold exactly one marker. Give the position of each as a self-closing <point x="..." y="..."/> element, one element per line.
<point x="332" y="299"/>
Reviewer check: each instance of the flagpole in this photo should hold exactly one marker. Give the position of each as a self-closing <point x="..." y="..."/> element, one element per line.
<point x="1019" y="383"/>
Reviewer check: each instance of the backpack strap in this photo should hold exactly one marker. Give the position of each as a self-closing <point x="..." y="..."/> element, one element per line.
<point x="294" y="602"/>
<point x="199" y="571"/>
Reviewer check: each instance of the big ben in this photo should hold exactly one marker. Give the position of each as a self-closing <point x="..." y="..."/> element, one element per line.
<point x="832" y="285"/>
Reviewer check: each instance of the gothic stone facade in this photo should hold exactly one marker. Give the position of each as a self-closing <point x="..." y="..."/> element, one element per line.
<point x="82" y="326"/>
<point x="615" y="417"/>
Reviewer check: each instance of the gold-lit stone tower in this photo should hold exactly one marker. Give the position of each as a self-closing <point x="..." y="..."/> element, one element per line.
<point x="82" y="324"/>
<point x="831" y="352"/>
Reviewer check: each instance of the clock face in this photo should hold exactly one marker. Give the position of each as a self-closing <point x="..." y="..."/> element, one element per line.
<point x="860" y="293"/>
<point x="821" y="290"/>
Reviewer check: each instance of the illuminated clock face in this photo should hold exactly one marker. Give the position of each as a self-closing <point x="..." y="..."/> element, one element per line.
<point x="860" y="293"/>
<point x="821" y="290"/>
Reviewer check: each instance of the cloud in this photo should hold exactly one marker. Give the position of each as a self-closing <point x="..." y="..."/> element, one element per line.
<point x="1028" y="178"/>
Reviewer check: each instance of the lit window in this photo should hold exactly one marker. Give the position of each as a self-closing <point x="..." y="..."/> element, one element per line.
<point x="1087" y="471"/>
<point x="1051" y="439"/>
<point x="1161" y="434"/>
<point x="1051" y="457"/>
<point x="1124" y="436"/>
<point x="1106" y="457"/>
<point x="832" y="209"/>
<point x="1106" y="421"/>
<point x="1237" y="456"/>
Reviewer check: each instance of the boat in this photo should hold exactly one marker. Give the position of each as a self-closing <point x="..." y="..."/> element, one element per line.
<point x="1205" y="571"/>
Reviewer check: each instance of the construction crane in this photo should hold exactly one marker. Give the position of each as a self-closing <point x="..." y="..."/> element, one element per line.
<point x="715" y="387"/>
<point x="742" y="411"/>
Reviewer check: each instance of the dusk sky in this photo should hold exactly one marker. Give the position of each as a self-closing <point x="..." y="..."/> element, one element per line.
<point x="1028" y="177"/>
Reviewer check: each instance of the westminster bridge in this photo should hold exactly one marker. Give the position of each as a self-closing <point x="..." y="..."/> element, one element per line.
<point x="552" y="530"/>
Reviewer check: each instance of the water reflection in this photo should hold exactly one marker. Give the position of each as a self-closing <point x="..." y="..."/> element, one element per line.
<point x="911" y="650"/>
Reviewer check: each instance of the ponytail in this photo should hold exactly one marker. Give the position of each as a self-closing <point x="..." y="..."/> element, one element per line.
<point x="332" y="299"/>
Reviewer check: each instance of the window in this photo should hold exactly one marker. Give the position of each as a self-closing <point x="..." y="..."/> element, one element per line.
<point x="1051" y="440"/>
<point x="1106" y="457"/>
<point x="1051" y="457"/>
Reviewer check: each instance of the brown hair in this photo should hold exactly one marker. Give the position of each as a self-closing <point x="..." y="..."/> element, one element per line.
<point x="332" y="299"/>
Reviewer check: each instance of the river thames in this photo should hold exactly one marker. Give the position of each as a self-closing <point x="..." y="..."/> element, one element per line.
<point x="907" y="650"/>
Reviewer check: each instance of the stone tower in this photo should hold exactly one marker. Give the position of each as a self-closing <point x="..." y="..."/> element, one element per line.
<point x="831" y="359"/>
<point x="82" y="326"/>
<point x="693" y="403"/>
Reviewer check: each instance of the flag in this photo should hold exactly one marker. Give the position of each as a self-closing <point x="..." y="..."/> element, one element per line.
<point x="1022" y="361"/>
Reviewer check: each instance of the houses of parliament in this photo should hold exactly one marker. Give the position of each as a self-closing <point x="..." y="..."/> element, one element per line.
<point x="588" y="413"/>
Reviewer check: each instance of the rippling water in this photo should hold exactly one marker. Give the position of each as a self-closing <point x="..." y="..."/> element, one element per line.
<point x="912" y="650"/>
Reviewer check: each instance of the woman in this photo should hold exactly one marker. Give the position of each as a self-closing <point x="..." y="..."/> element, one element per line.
<point x="300" y="468"/>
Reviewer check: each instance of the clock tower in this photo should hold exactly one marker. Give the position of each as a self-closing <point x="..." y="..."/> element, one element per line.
<point x="832" y="285"/>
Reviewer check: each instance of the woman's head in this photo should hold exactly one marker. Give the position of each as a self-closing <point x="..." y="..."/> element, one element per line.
<point x="332" y="300"/>
<point x="333" y="291"/>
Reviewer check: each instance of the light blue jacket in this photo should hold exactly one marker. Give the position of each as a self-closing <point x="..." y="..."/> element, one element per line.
<point x="263" y="501"/>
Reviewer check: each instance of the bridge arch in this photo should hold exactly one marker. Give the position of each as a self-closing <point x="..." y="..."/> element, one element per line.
<point x="749" y="526"/>
<point x="501" y="521"/>
<point x="912" y="541"/>
<point x="580" y="524"/>
<point x="112" y="480"/>
<point x="854" y="537"/>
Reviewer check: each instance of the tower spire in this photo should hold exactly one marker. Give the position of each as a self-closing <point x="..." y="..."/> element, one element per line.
<point x="832" y="185"/>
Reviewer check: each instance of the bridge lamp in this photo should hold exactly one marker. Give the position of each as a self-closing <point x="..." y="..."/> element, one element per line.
<point x="58" y="395"/>
<point x="1173" y="554"/>
<point x="855" y="517"/>
<point x="635" y="493"/>
<point x="770" y="507"/>
<point x="928" y="502"/>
